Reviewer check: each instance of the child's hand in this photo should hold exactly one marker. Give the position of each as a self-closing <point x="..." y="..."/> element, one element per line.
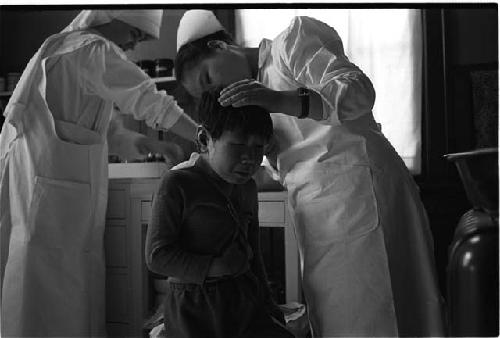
<point x="232" y="262"/>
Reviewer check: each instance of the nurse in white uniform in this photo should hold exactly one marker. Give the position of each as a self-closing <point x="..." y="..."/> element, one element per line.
<point x="53" y="170"/>
<point x="365" y="244"/>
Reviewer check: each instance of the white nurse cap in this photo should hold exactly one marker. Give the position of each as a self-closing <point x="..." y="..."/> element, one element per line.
<point x="196" y="24"/>
<point x="147" y="20"/>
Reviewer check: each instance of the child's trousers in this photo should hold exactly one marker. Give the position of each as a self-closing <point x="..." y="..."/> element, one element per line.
<point x="226" y="308"/>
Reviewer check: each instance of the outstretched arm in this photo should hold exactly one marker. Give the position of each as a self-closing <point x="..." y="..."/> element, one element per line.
<point x="109" y="74"/>
<point x="252" y="92"/>
<point x="311" y="55"/>
<point x="128" y="144"/>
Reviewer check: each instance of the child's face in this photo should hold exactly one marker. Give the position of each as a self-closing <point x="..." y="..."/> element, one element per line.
<point x="236" y="157"/>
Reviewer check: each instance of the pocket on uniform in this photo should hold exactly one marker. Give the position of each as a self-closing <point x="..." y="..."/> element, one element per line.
<point x="73" y="133"/>
<point x="60" y="213"/>
<point x="336" y="203"/>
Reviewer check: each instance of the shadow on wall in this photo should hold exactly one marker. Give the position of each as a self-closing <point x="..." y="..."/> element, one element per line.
<point x="17" y="49"/>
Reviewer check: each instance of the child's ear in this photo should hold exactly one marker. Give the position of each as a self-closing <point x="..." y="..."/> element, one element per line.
<point x="202" y="138"/>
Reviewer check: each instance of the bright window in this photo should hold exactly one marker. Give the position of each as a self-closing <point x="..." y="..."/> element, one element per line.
<point x="385" y="43"/>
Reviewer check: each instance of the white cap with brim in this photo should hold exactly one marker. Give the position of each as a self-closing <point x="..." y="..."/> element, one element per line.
<point x="196" y="24"/>
<point x="147" y="20"/>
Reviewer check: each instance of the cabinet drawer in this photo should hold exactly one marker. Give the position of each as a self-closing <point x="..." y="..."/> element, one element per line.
<point x="115" y="240"/>
<point x="146" y="210"/>
<point x="117" y="297"/>
<point x="118" y="330"/>
<point x="116" y="204"/>
<point x="271" y="211"/>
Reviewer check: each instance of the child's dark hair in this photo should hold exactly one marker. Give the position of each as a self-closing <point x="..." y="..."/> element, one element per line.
<point x="249" y="120"/>
<point x="192" y="52"/>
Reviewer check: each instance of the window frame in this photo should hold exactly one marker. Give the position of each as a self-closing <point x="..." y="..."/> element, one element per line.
<point x="435" y="116"/>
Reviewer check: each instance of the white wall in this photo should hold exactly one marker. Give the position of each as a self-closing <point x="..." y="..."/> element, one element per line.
<point x="33" y="25"/>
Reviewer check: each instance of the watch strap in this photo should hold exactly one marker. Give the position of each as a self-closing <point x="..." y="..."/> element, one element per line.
<point x="304" y="98"/>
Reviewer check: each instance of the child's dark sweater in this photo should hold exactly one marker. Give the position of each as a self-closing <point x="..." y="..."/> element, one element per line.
<point x="191" y="223"/>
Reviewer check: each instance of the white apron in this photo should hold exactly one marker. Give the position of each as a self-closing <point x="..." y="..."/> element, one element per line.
<point x="364" y="240"/>
<point x="53" y="202"/>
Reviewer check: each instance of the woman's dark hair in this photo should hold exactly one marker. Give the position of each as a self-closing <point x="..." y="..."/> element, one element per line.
<point x="192" y="52"/>
<point x="249" y="120"/>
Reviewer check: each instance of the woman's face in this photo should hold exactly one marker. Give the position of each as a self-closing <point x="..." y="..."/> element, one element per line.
<point x="132" y="38"/>
<point x="224" y="66"/>
<point x="236" y="157"/>
<point x="125" y="35"/>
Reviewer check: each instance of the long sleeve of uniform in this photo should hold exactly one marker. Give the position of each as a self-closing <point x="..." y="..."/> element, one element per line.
<point x="109" y="74"/>
<point x="164" y="253"/>
<point x="313" y="54"/>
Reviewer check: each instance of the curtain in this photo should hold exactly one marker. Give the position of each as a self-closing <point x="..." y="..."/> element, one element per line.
<point x="385" y="43"/>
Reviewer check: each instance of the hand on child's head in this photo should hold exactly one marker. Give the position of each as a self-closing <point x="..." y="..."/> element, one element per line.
<point x="250" y="120"/>
<point x="235" y="137"/>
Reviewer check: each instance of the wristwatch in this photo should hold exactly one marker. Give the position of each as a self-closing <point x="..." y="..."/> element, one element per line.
<point x="304" y="98"/>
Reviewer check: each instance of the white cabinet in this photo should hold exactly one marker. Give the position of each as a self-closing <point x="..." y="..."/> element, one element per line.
<point x="273" y="213"/>
<point x="127" y="294"/>
<point x="129" y="299"/>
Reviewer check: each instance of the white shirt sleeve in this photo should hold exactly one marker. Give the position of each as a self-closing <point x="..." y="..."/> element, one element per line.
<point x="314" y="55"/>
<point x="109" y="74"/>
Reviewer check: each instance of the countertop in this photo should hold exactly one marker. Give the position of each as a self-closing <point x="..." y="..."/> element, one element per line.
<point x="137" y="170"/>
